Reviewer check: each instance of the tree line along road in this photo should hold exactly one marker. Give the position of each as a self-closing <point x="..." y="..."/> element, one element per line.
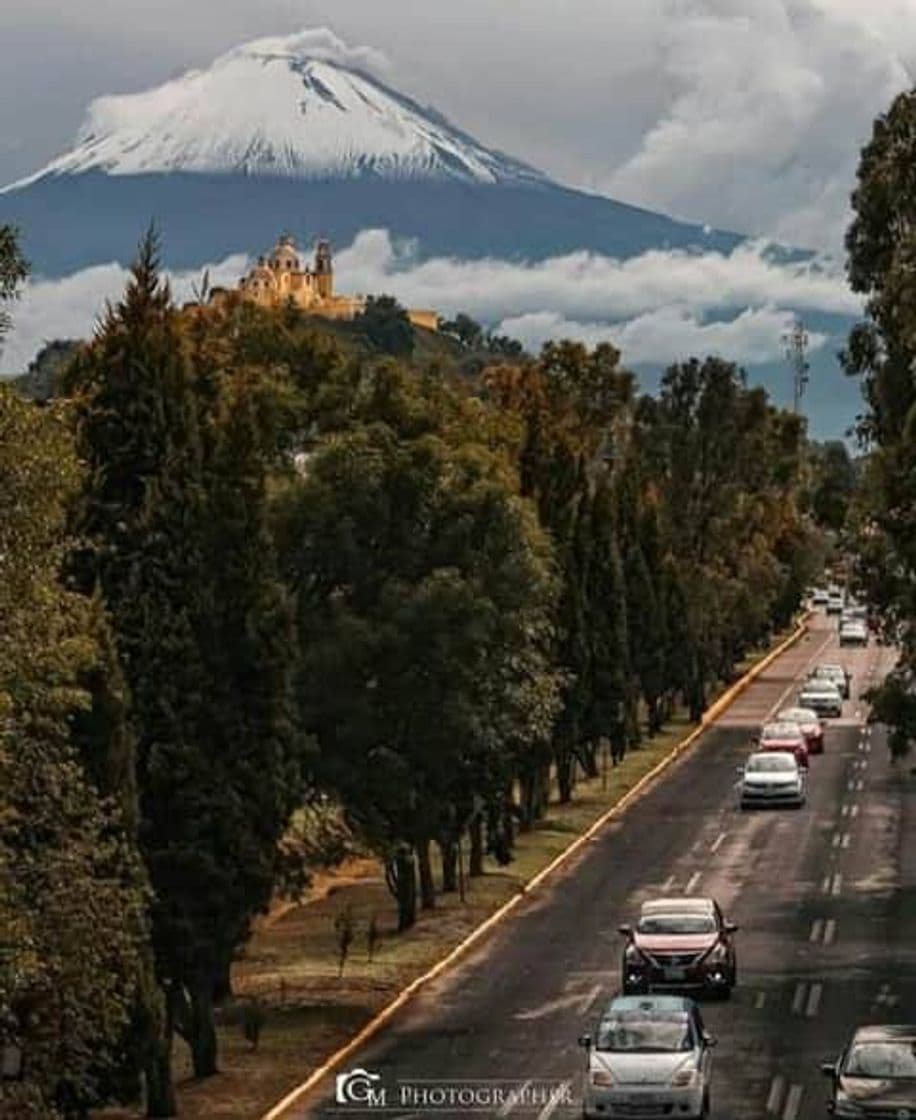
<point x="823" y="897"/>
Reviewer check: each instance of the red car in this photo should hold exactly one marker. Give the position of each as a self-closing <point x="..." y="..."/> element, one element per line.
<point x="785" y="736"/>
<point x="810" y="724"/>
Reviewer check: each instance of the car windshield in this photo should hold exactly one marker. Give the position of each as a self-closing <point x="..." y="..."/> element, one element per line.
<point x="770" y="763"/>
<point x="642" y="1033"/>
<point x="828" y="671"/>
<point x="882" y="1059"/>
<point x="799" y="715"/>
<point x="780" y="731"/>
<point x="819" y="690"/>
<point x="654" y="924"/>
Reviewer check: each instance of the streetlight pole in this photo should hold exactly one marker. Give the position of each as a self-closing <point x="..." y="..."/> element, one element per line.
<point x="795" y="342"/>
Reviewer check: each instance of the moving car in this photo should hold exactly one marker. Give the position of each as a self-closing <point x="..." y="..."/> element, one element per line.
<point x="811" y="726"/>
<point x="835" y="601"/>
<point x="819" y="597"/>
<point x="823" y="697"/>
<point x="771" y="778"/>
<point x="875" y="1075"/>
<point x="650" y="1057"/>
<point x="680" y="943"/>
<point x="835" y="673"/>
<point x="785" y="735"/>
<point x="853" y="632"/>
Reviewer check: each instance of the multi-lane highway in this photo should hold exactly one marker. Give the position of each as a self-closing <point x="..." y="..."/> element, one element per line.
<point x="824" y="897"/>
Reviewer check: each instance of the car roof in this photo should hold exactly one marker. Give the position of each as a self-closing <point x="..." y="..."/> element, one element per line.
<point x="829" y="667"/>
<point x="689" y="905"/>
<point x="819" y="686"/>
<point x="782" y="727"/>
<point x="885" y="1033"/>
<point x="649" y="1003"/>
<point x="794" y="715"/>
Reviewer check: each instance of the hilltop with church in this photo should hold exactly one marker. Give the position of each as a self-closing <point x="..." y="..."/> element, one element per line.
<point x="280" y="278"/>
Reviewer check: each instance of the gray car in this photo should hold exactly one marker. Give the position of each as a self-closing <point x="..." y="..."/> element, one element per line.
<point x="771" y="779"/>
<point x="822" y="697"/>
<point x="650" y="1057"/>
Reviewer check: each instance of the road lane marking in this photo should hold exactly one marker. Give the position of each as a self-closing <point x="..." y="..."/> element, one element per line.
<point x="817" y="928"/>
<point x="798" y="1000"/>
<point x="590" y="998"/>
<point x="717" y="843"/>
<point x="844" y="843"/>
<point x="860" y="785"/>
<point x="830" y="931"/>
<point x="774" y="1100"/>
<point x="836" y="840"/>
<point x="692" y="882"/>
<point x="555" y="1100"/>
<point x="513" y="1100"/>
<point x="668" y="883"/>
<point x="854" y="811"/>
<point x="825" y="885"/>
<point x="814" y="1000"/>
<point x="850" y="785"/>
<point x="837" y="884"/>
<point x="793" y="1103"/>
<point x="760" y="1000"/>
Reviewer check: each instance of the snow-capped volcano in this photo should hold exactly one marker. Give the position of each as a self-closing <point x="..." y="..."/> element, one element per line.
<point x="278" y="107"/>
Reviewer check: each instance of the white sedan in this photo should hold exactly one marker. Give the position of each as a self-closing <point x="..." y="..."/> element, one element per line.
<point x="771" y="778"/>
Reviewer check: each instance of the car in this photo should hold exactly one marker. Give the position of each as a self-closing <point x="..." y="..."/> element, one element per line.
<point x="784" y="735"/>
<point x="875" y="1075"/>
<point x="650" y="1056"/>
<point x="857" y="611"/>
<point x="835" y="673"/>
<point x="819" y="597"/>
<point x="835" y="601"/>
<point x="823" y="697"/>
<point x="810" y="724"/>
<point x="853" y="632"/>
<point x="680" y="944"/>
<point x="771" y="778"/>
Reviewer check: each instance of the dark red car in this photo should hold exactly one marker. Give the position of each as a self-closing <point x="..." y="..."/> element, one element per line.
<point x="785" y="735"/>
<point x="679" y="944"/>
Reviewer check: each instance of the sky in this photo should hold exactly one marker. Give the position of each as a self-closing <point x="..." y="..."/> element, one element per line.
<point x="747" y="114"/>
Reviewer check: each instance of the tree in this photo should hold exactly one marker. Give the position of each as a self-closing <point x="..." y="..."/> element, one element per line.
<point x="175" y="520"/>
<point x="468" y="332"/>
<point x="387" y="325"/>
<point x="834" y="484"/>
<point x="71" y="895"/>
<point x="13" y="272"/>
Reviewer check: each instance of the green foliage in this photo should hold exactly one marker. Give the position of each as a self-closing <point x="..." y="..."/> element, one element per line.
<point x="833" y="484"/>
<point x="387" y="326"/>
<point x="13" y="271"/>
<point x="71" y="898"/>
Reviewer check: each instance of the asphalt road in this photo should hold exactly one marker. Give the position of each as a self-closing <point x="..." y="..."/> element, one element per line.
<point x="825" y="898"/>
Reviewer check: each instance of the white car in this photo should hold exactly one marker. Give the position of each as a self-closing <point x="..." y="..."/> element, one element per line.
<point x="650" y="1057"/>
<point x="819" y="597"/>
<point x="835" y="601"/>
<point x="853" y="632"/>
<point x="823" y="697"/>
<point x="771" y="778"/>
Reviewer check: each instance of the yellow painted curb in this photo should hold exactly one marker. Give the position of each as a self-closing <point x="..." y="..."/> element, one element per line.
<point x="390" y="1010"/>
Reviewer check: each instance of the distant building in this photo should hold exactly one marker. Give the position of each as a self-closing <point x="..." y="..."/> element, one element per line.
<point x="280" y="278"/>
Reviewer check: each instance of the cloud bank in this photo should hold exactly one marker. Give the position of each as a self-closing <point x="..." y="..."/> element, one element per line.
<point x="658" y="307"/>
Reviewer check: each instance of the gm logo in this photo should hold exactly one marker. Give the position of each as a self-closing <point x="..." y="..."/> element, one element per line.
<point x="359" y="1086"/>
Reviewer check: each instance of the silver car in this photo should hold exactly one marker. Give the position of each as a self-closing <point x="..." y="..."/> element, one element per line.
<point x="822" y="697"/>
<point x="771" y="778"/>
<point x="650" y="1057"/>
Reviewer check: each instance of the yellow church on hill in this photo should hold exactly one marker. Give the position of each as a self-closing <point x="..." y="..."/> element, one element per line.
<point x="280" y="277"/>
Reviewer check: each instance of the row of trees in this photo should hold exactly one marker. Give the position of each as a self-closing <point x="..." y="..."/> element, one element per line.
<point x="251" y="573"/>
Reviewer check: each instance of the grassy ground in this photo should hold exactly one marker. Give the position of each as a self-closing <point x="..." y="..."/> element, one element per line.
<point x="292" y="963"/>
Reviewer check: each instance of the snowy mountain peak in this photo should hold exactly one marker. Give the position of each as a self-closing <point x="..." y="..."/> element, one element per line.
<point x="303" y="106"/>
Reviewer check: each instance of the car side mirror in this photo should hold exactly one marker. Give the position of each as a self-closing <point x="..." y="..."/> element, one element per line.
<point x="626" y="931"/>
<point x="585" y="1040"/>
<point x="731" y="927"/>
<point x="828" y="1069"/>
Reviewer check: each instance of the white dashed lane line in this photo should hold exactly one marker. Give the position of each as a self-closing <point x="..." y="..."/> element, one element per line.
<point x="717" y="843"/>
<point x="692" y="882"/>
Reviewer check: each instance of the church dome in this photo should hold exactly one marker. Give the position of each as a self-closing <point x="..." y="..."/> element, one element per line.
<point x="285" y="256"/>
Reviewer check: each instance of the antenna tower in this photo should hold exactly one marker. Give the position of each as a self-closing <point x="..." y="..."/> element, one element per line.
<point x="795" y="341"/>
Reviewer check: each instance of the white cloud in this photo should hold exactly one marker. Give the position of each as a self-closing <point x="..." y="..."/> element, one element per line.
<point x="320" y="43"/>
<point x="769" y="102"/>
<point x="658" y="307"/>
<point x="754" y="337"/>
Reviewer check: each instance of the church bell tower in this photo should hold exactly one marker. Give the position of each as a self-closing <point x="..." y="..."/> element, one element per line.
<point x="324" y="270"/>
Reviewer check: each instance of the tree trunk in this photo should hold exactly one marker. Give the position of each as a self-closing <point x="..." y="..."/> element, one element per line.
<point x="449" y="851"/>
<point x="202" y="1033"/>
<point x="222" y="986"/>
<point x="404" y="875"/>
<point x="564" y="765"/>
<point x="157" y="1070"/>
<point x="475" y="862"/>
<point x="427" y="885"/>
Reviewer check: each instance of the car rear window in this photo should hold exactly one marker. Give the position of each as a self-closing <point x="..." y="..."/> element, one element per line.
<point x="676" y="923"/>
<point x="642" y="1032"/>
<point x="895" y="1059"/>
<point x="780" y="731"/>
<point x="772" y="763"/>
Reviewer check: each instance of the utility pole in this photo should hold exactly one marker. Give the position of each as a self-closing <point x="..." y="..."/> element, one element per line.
<point x="795" y="341"/>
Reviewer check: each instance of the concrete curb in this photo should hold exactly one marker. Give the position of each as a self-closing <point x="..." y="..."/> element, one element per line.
<point x="388" y="1012"/>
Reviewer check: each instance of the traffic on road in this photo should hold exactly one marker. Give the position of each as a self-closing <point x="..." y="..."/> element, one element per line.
<point x="778" y="842"/>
